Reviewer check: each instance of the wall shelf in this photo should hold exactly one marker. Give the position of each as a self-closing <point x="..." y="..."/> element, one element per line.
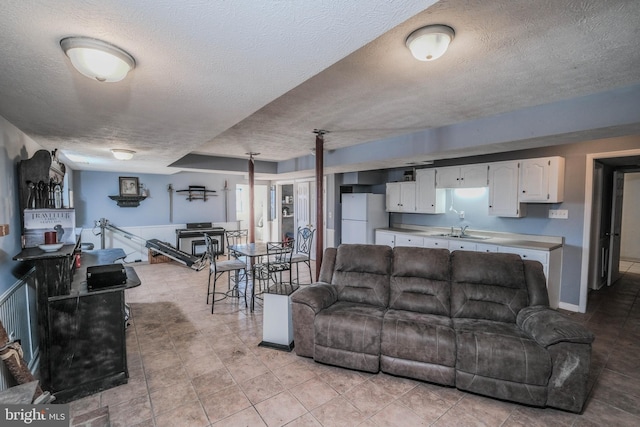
<point x="128" y="201"/>
<point x="198" y="192"/>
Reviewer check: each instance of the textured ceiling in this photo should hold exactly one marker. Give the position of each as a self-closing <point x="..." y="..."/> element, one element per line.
<point x="225" y="78"/>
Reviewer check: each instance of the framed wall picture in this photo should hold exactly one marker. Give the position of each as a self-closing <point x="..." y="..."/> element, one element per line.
<point x="129" y="186"/>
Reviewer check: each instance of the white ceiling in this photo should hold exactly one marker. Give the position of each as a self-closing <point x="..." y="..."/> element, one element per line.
<point x="223" y="78"/>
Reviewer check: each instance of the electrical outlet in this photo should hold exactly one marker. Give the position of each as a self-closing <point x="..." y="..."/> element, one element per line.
<point x="4" y="229"/>
<point x="559" y="213"/>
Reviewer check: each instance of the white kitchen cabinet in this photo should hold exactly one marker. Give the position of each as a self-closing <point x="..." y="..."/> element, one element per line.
<point x="401" y="196"/>
<point x="430" y="242"/>
<point x="542" y="180"/>
<point x="551" y="265"/>
<point x="429" y="199"/>
<point x="466" y="176"/>
<point x="461" y="245"/>
<point x="485" y="247"/>
<point x="385" y="238"/>
<point x="503" y="190"/>
<point x="409" y="240"/>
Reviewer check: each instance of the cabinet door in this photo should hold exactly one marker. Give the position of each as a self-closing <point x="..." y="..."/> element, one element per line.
<point x="393" y="197"/>
<point x="448" y="177"/>
<point x="473" y="176"/>
<point x="86" y="340"/>
<point x="429" y="199"/>
<point x="542" y="180"/>
<point x="409" y="240"/>
<point x="385" y="238"/>
<point x="484" y="247"/>
<point x="503" y="190"/>
<point x="455" y="245"/>
<point x="408" y="196"/>
<point x="436" y="243"/>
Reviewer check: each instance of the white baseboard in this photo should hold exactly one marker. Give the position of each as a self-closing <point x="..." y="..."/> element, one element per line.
<point x="569" y="307"/>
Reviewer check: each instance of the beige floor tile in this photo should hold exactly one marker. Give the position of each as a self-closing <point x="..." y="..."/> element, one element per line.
<point x="307" y="420"/>
<point x="212" y="382"/>
<point x="246" y="418"/>
<point x="293" y="374"/>
<point x="163" y="378"/>
<point x="262" y="387"/>
<point x="338" y="412"/>
<point x="172" y="397"/>
<point x="477" y="410"/>
<point x="225" y="403"/>
<point x="428" y="405"/>
<point x="188" y="415"/>
<point x="280" y="409"/>
<point x="313" y="393"/>
<point x="131" y="412"/>
<point x="369" y="398"/>
<point x="396" y="415"/>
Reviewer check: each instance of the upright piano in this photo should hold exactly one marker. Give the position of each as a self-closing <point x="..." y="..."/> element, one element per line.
<point x="198" y="230"/>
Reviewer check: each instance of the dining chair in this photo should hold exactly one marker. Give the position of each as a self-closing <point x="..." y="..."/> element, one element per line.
<point x="218" y="268"/>
<point x="304" y="240"/>
<point x="235" y="237"/>
<point x="278" y="261"/>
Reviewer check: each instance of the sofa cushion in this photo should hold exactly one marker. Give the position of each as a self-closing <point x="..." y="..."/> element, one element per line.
<point x="420" y="337"/>
<point x="489" y="286"/>
<point x="501" y="351"/>
<point x="362" y="274"/>
<point x="420" y="280"/>
<point x="350" y="326"/>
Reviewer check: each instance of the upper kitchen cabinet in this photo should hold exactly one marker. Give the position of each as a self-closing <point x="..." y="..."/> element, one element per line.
<point x="401" y="196"/>
<point x="429" y="199"/>
<point x="503" y="190"/>
<point x="466" y="176"/>
<point x="542" y="180"/>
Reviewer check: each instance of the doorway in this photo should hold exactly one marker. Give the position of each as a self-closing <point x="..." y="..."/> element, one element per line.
<point x="261" y="209"/>
<point x="604" y="202"/>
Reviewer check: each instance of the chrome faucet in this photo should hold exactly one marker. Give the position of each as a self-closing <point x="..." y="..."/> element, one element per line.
<point x="463" y="230"/>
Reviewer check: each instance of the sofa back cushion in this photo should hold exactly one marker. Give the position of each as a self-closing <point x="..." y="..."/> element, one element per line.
<point x="489" y="286"/>
<point x="420" y="280"/>
<point x="362" y="274"/>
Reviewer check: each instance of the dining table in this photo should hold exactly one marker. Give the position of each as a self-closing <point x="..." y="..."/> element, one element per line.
<point x="251" y="251"/>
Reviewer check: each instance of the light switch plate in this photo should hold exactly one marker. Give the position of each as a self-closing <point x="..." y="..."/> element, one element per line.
<point x="559" y="213"/>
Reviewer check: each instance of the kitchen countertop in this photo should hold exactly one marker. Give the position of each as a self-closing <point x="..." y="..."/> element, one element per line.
<point x="523" y="241"/>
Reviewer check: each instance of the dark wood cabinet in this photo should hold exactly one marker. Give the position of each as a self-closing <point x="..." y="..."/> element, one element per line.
<point x="81" y="333"/>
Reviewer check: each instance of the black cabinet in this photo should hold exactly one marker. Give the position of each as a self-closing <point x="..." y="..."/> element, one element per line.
<point x="81" y="333"/>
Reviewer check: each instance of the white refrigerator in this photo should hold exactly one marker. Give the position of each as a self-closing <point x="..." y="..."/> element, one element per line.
<point x="362" y="213"/>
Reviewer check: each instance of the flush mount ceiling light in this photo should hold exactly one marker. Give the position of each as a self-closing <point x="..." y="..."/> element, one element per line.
<point x="122" y="154"/>
<point x="96" y="59"/>
<point x="430" y="42"/>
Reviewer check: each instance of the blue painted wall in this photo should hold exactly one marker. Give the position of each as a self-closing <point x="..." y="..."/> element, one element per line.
<point x="91" y="201"/>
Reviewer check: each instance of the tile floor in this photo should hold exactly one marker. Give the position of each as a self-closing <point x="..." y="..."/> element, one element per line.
<point x="191" y="368"/>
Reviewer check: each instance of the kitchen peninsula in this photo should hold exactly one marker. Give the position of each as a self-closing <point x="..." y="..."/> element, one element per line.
<point x="81" y="333"/>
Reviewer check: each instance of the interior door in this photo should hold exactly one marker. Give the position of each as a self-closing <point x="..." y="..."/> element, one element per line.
<point x="303" y="217"/>
<point x="616" y="228"/>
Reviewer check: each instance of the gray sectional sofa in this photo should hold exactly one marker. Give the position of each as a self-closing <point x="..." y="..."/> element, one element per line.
<point x="478" y="321"/>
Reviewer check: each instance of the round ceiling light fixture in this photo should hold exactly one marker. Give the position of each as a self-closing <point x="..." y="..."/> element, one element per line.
<point x="96" y="59"/>
<point x="122" y="154"/>
<point x="430" y="42"/>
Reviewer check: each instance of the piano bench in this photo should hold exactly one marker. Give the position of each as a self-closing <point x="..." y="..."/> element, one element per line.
<point x="195" y="244"/>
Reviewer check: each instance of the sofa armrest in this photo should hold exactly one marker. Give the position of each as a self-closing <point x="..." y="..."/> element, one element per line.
<point x="548" y="327"/>
<point x="317" y="296"/>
